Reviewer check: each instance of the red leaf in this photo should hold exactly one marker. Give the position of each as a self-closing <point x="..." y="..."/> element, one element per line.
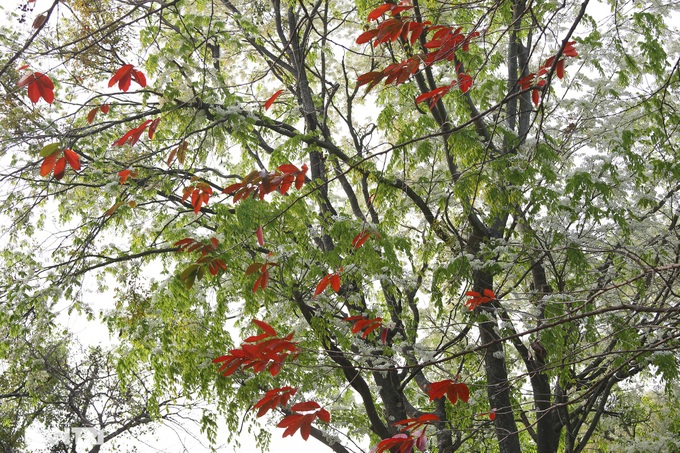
<point x="335" y="282"/>
<point x="232" y="188"/>
<point x="271" y="100"/>
<point x="125" y="75"/>
<point x="288" y="168"/>
<point x="379" y="11"/>
<point x="383" y="335"/>
<point x="534" y="97"/>
<point x="264" y="327"/>
<point x="124" y="175"/>
<point x="122" y="77"/>
<point x="559" y="68"/>
<point x="399" y="442"/>
<point x="305" y="407"/>
<point x="260" y="235"/>
<point x="569" y="50"/>
<point x="48" y="164"/>
<point x="367" y="36"/>
<point x="60" y="168"/>
<point x="360" y="239"/>
<point x="434" y="96"/>
<point x="373" y="77"/>
<point x="321" y="287"/>
<point x="153" y="126"/>
<point x="39" y="85"/>
<point x="72" y="158"/>
<point x="324" y="415"/>
<point x="139" y="77"/>
<point x="105" y="109"/>
<point x="273" y="398"/>
<point x="463" y="391"/>
<point x="300" y="178"/>
<point x="488" y="293"/>
<point x="397" y="9"/>
<point x="133" y="135"/>
<point x="92" y="114"/>
<point x="464" y="82"/>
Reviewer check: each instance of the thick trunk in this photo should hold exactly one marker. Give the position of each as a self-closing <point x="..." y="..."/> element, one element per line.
<point x="498" y="386"/>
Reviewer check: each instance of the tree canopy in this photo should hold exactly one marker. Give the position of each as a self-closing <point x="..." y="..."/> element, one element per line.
<point x="436" y="226"/>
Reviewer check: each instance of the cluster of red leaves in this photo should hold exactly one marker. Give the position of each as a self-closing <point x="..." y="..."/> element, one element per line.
<point x="452" y="389"/>
<point x="263" y="278"/>
<point x="259" y="352"/>
<point x="536" y="80"/>
<point x="396" y="73"/>
<point x="392" y="29"/>
<point x="273" y="398"/>
<point x="411" y="424"/>
<point x="125" y="75"/>
<point x="332" y="279"/>
<point x="39" y="86"/>
<point x="477" y="299"/>
<point x="56" y="164"/>
<point x="206" y="262"/>
<point x="199" y="192"/>
<point x="368" y="325"/>
<point x="260" y="183"/>
<point x="464" y="81"/>
<point x="447" y="40"/>
<point x="133" y="135"/>
<point x="93" y="113"/>
<point x="443" y="44"/>
<point x="404" y="443"/>
<point x="303" y="421"/>
<point x="362" y="237"/>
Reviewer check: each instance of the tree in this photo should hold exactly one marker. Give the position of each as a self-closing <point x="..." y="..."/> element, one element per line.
<point x="63" y="386"/>
<point x="442" y="202"/>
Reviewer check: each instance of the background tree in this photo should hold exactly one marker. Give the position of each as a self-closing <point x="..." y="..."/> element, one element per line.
<point x="498" y="216"/>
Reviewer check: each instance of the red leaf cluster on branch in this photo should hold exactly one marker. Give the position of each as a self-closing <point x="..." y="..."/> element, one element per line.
<point x="57" y="164"/>
<point x="124" y="76"/>
<point x="443" y="44"/>
<point x="536" y="80"/>
<point x="368" y="325"/>
<point x="263" y="279"/>
<point x="452" y="389"/>
<point x="273" y="398"/>
<point x="260" y="183"/>
<point x="260" y="352"/>
<point x="332" y="279"/>
<point x="477" y="299"/>
<point x="133" y="135"/>
<point x="39" y="86"/>
<point x="200" y="194"/>
<point x="303" y="422"/>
